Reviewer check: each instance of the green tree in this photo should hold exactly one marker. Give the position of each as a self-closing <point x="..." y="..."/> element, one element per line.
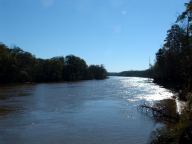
<point x="186" y="17"/>
<point x="17" y="65"/>
<point x="97" y="72"/>
<point x="23" y="63"/>
<point x="75" y="68"/>
<point x="168" y="66"/>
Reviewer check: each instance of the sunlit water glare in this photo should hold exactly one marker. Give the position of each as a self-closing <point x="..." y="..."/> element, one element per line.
<point x="87" y="112"/>
<point x="144" y="89"/>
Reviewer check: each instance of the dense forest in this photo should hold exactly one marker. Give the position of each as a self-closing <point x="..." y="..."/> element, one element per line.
<point x="173" y="68"/>
<point x="173" y="64"/>
<point x="18" y="66"/>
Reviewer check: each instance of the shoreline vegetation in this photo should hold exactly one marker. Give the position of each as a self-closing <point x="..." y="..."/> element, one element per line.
<point x="173" y="70"/>
<point x="18" y="66"/>
<point x="132" y="73"/>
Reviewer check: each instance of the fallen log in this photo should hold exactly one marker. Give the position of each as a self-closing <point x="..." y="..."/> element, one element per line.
<point x="159" y="112"/>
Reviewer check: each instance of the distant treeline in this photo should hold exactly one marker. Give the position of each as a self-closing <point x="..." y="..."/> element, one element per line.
<point x="17" y="65"/>
<point x="133" y="73"/>
<point x="173" y="65"/>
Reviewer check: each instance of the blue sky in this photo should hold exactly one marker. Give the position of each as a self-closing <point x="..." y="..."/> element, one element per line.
<point x="121" y="34"/>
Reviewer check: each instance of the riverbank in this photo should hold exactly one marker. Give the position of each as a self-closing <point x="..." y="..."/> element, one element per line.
<point x="179" y="132"/>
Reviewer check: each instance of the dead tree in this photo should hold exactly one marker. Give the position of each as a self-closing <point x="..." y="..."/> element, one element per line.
<point x="158" y="112"/>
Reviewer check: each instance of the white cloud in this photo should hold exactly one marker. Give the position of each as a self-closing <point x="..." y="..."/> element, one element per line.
<point x="48" y="3"/>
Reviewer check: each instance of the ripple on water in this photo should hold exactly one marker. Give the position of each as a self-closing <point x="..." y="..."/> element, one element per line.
<point x="85" y="112"/>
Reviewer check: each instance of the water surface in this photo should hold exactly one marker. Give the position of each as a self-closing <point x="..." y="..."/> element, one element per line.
<point x="88" y="112"/>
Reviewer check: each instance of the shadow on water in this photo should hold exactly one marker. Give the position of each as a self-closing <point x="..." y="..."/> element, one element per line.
<point x="5" y="111"/>
<point x="7" y="92"/>
<point x="9" y="97"/>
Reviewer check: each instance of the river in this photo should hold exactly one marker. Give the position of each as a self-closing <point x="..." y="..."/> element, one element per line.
<point x="87" y="112"/>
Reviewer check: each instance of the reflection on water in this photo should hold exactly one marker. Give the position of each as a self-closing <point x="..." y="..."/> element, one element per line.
<point x="7" y="92"/>
<point x="5" y="111"/>
<point x="88" y="112"/>
<point x="144" y="89"/>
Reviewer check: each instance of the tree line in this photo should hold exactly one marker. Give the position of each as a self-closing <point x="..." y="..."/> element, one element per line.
<point x="17" y="65"/>
<point x="173" y="68"/>
<point x="133" y="73"/>
<point x="173" y="64"/>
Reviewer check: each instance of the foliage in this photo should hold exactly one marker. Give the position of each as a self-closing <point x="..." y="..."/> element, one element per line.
<point x="173" y="61"/>
<point x="180" y="133"/>
<point x="173" y="67"/>
<point x="75" y="68"/>
<point x="133" y="73"/>
<point x="97" y="72"/>
<point x="17" y="65"/>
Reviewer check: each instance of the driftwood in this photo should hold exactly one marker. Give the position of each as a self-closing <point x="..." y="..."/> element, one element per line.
<point x="158" y="112"/>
